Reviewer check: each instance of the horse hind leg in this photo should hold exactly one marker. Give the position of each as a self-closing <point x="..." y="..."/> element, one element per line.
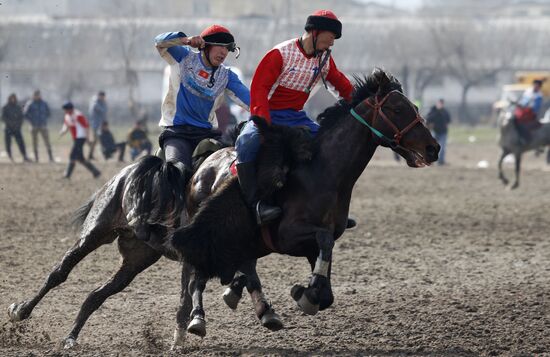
<point x="234" y="292"/>
<point x="500" y="172"/>
<point x="136" y="257"/>
<point x="84" y="246"/>
<point x="197" y="284"/>
<point x="184" y="310"/>
<point x="517" y="171"/>
<point x="247" y="276"/>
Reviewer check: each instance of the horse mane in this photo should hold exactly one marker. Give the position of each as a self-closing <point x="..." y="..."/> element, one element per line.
<point x="364" y="87"/>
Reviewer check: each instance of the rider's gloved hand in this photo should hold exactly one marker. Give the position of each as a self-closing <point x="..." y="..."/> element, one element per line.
<point x="193" y="41"/>
<point x="260" y="122"/>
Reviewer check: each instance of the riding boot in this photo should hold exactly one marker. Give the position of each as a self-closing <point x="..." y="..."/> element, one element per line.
<point x="50" y="156"/>
<point x="92" y="168"/>
<point x="249" y="186"/>
<point x="36" y="155"/>
<point x="69" y="170"/>
<point x="351" y="223"/>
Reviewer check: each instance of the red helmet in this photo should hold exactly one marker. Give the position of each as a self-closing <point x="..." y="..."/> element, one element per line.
<point x="217" y="34"/>
<point x="324" y="20"/>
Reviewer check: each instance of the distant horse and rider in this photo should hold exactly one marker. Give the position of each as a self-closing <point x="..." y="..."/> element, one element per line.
<point x="520" y="131"/>
<point x="156" y="208"/>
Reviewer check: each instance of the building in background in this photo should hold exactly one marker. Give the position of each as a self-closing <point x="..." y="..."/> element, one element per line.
<point x="114" y="40"/>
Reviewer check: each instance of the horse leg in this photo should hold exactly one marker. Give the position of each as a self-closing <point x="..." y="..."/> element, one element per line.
<point x="197" y="284"/>
<point x="89" y="242"/>
<point x="234" y="292"/>
<point x="136" y="257"/>
<point x="264" y="311"/>
<point x="517" y="171"/>
<point x="309" y="298"/>
<point x="184" y="310"/>
<point x="326" y="298"/>
<point x="500" y="172"/>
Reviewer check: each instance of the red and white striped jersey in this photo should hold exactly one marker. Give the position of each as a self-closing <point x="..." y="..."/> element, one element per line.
<point x="77" y="124"/>
<point x="283" y="76"/>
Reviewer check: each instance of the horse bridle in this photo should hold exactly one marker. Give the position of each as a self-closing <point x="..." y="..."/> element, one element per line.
<point x="377" y="108"/>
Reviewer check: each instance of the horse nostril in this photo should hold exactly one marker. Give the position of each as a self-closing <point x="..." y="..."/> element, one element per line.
<point x="432" y="151"/>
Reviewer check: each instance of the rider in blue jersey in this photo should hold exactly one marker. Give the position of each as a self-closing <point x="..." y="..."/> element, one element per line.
<point x="198" y="80"/>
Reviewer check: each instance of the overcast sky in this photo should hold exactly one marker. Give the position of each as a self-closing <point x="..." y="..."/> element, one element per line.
<point x="408" y="4"/>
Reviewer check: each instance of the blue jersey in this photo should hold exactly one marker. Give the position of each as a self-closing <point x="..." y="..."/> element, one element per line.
<point x="532" y="100"/>
<point x="192" y="98"/>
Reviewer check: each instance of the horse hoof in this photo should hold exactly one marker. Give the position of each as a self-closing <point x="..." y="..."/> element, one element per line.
<point x="306" y="306"/>
<point x="14" y="312"/>
<point x="272" y="321"/>
<point x="231" y="299"/>
<point x="197" y="326"/>
<point x="297" y="291"/>
<point x="179" y="338"/>
<point x="68" y="343"/>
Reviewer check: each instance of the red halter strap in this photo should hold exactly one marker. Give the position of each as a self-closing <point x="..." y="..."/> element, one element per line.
<point x="377" y="109"/>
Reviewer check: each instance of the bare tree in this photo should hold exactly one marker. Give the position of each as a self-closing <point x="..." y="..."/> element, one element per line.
<point x="474" y="51"/>
<point x="126" y="34"/>
<point x="4" y="46"/>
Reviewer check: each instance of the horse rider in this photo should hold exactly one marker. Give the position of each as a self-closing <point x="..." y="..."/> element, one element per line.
<point x="280" y="88"/>
<point x="527" y="111"/>
<point x="198" y="81"/>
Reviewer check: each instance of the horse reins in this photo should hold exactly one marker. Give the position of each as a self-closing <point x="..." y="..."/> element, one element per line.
<point x="377" y="108"/>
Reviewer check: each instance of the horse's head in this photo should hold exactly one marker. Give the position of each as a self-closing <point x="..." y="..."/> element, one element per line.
<point x="396" y="123"/>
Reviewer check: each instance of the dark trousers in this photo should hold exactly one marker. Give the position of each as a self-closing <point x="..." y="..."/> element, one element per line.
<point x="77" y="154"/>
<point x="43" y="131"/>
<point x="77" y="151"/>
<point x="179" y="150"/>
<point x="16" y="133"/>
<point x="179" y="142"/>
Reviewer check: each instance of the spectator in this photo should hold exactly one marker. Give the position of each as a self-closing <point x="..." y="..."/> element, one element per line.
<point x="108" y="144"/>
<point x="75" y="122"/>
<point x="12" y="115"/>
<point x="138" y="140"/>
<point x="98" y="115"/>
<point x="37" y="112"/>
<point x="438" y="121"/>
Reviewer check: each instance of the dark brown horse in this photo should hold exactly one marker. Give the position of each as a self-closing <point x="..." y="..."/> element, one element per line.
<point x="138" y="208"/>
<point x="145" y="202"/>
<point x="315" y="200"/>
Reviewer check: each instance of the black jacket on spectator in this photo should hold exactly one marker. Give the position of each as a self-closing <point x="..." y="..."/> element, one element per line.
<point x="439" y="119"/>
<point x="12" y="115"/>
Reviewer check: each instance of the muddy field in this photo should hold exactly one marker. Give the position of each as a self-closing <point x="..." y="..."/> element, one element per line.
<point x="444" y="262"/>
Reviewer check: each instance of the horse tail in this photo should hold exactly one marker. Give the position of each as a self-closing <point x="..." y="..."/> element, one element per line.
<point x="79" y="216"/>
<point x="155" y="193"/>
<point x="220" y="235"/>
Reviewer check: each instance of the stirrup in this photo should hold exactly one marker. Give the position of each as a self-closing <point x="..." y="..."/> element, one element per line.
<point x="271" y="213"/>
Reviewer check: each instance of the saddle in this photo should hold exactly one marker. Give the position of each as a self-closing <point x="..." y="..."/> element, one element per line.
<point x="204" y="149"/>
<point x="524" y="115"/>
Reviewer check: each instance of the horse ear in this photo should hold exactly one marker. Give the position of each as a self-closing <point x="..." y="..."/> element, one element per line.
<point x="383" y="80"/>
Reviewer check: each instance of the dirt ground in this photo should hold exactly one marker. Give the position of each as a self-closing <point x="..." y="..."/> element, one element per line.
<point x="444" y="262"/>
